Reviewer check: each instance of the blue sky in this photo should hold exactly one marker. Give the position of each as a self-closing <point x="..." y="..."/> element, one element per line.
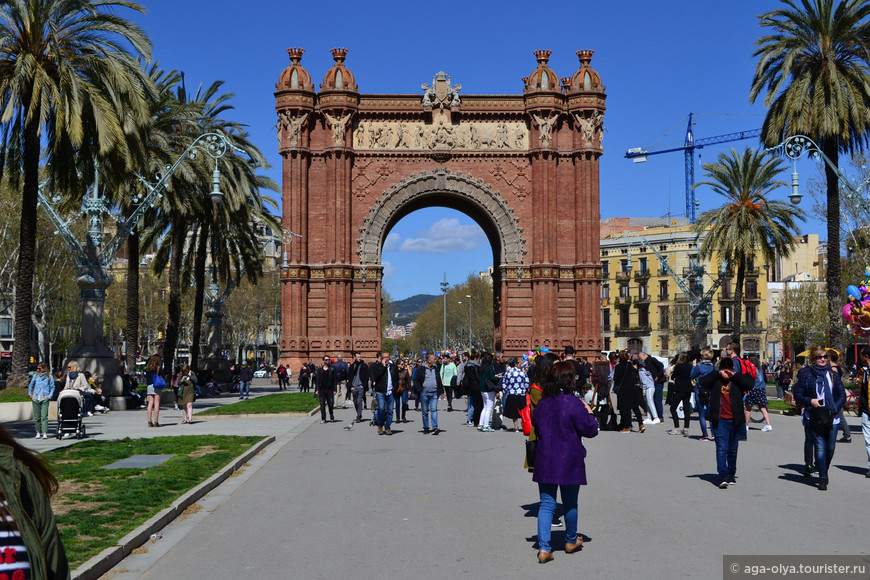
<point x="658" y="60"/>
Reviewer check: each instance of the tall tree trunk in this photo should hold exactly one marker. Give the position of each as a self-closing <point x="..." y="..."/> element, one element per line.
<point x="834" y="283"/>
<point x="738" y="300"/>
<point x="199" y="278"/>
<point x="131" y="330"/>
<point x="174" y="322"/>
<point x="26" y="255"/>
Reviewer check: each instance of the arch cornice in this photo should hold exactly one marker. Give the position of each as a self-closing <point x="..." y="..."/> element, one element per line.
<point x="439" y="182"/>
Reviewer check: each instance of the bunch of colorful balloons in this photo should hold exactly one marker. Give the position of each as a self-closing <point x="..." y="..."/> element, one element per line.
<point x="857" y="310"/>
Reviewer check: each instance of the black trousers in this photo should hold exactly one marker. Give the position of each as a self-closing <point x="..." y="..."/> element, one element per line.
<point x="477" y="400"/>
<point x="686" y="400"/>
<point x="626" y="407"/>
<point x="326" y="400"/>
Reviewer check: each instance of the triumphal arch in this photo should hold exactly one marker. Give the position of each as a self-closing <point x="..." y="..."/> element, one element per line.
<point x="524" y="167"/>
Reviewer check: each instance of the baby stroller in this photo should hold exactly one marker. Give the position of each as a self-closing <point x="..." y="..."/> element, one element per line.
<point x="69" y="415"/>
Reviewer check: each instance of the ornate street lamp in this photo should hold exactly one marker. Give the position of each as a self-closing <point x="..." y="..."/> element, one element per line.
<point x="93" y="258"/>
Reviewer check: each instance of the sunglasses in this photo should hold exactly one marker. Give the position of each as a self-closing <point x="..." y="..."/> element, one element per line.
<point x="822" y="356"/>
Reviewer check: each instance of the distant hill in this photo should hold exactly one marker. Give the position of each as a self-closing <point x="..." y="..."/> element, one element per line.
<point x="407" y="310"/>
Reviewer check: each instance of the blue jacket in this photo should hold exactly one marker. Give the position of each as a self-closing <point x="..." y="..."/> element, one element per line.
<point x="41" y="384"/>
<point x="805" y="390"/>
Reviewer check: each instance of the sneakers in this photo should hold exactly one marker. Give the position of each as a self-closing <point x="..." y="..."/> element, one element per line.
<point x="808" y="469"/>
<point x="656" y="421"/>
<point x="675" y="432"/>
<point x="642" y="428"/>
<point x="436" y="431"/>
<point x="469" y="423"/>
<point x="704" y="438"/>
<point x="425" y="430"/>
<point x="323" y="422"/>
<point x="38" y="436"/>
<point x="732" y="480"/>
<point x="685" y="432"/>
<point x="723" y="482"/>
<point x="648" y="421"/>
<point x="769" y="428"/>
<point x="45" y="435"/>
<point x="840" y="440"/>
<point x="626" y="430"/>
<point x="557" y="523"/>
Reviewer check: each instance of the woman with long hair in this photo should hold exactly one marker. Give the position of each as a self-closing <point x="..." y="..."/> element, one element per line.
<point x="488" y="382"/>
<point x="402" y="393"/>
<point x="758" y="395"/>
<point x="186" y="394"/>
<point x="561" y="420"/>
<point x="41" y="390"/>
<point x="819" y="390"/>
<point x="152" y="374"/>
<point x="681" y="392"/>
<point x="28" y="526"/>
<point x="625" y="382"/>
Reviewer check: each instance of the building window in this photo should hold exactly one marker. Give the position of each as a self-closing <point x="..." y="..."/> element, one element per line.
<point x="642" y="292"/>
<point x="663" y="290"/>
<point x="751" y="316"/>
<point x="623" y="266"/>
<point x="623" y="291"/>
<point x="5" y="328"/>
<point x="607" y="343"/>
<point x="605" y="291"/>
<point x="664" y="316"/>
<point x="751" y="289"/>
<point x="666" y="343"/>
<point x="725" y="290"/>
<point x="623" y="318"/>
<point x="643" y="317"/>
<point x="642" y="265"/>
<point x="605" y="319"/>
<point x="605" y="270"/>
<point x="726" y="316"/>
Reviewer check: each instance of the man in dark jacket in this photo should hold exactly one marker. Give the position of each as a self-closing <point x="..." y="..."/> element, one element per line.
<point x="246" y="375"/>
<point x="726" y="415"/>
<point x="325" y="383"/>
<point x="358" y="379"/>
<point x="428" y="384"/>
<point x="385" y="378"/>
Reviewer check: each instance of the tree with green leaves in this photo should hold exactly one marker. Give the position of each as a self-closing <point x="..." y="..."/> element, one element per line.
<point x="69" y="81"/>
<point x="748" y="223"/>
<point x="813" y="70"/>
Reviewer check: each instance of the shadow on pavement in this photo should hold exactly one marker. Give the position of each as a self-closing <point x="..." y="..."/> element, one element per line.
<point x="852" y="469"/>
<point x="798" y="475"/>
<point x="710" y="478"/>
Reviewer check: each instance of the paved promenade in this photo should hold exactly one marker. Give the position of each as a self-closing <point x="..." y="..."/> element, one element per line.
<point x="325" y="502"/>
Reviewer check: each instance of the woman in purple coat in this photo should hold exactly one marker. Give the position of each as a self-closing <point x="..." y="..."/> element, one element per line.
<point x="561" y="420"/>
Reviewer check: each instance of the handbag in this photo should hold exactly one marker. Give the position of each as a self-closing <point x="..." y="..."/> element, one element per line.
<point x="531" y="450"/>
<point x="821" y="416"/>
<point x="158" y="382"/>
<point x="526" y="416"/>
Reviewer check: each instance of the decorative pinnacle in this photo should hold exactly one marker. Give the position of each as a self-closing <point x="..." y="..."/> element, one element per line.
<point x="543" y="55"/>
<point x="566" y="82"/>
<point x="585" y="56"/>
<point x="295" y="54"/>
<point x="338" y="54"/>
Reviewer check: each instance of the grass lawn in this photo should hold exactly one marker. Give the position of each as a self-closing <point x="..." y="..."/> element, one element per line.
<point x="274" y="403"/>
<point x="14" y="396"/>
<point x="96" y="507"/>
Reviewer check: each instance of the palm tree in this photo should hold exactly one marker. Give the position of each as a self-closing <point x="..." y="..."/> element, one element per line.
<point x="813" y="69"/>
<point x="189" y="208"/>
<point x="68" y="79"/>
<point x="747" y="223"/>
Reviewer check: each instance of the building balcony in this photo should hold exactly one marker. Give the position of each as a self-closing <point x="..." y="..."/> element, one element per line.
<point x="633" y="331"/>
<point x="752" y="328"/>
<point x="663" y="272"/>
<point x="642" y="300"/>
<point x="605" y="275"/>
<point x="642" y="276"/>
<point x="753" y="272"/>
<point x="751" y="298"/>
<point x="623" y="301"/>
<point x="623" y="277"/>
<point x="664" y="297"/>
<point x="664" y="324"/>
<point x="725" y="328"/>
<point x="726" y="298"/>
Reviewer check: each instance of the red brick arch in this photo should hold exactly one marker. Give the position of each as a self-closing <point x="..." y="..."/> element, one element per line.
<point x="524" y="167"/>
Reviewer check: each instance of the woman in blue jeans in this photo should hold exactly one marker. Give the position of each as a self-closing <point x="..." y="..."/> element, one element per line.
<point x="818" y="386"/>
<point x="561" y="420"/>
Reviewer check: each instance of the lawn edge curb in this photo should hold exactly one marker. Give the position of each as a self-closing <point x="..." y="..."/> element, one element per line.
<point x="112" y="556"/>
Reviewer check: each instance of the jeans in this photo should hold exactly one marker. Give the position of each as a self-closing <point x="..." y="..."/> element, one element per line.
<point x="824" y="442"/>
<point x="469" y="403"/>
<point x="430" y="405"/>
<point x="726" y="447"/>
<point x="865" y="428"/>
<point x="702" y="411"/>
<point x="244" y="389"/>
<point x="657" y="398"/>
<point x="358" y="394"/>
<point x="385" y="410"/>
<point x="649" y="394"/>
<point x="548" y="506"/>
<point x="488" y="402"/>
<point x="40" y="415"/>
<point x="401" y="402"/>
<point x="326" y="400"/>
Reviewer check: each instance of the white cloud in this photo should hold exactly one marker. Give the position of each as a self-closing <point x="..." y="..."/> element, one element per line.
<point x="446" y="235"/>
<point x="389" y="271"/>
